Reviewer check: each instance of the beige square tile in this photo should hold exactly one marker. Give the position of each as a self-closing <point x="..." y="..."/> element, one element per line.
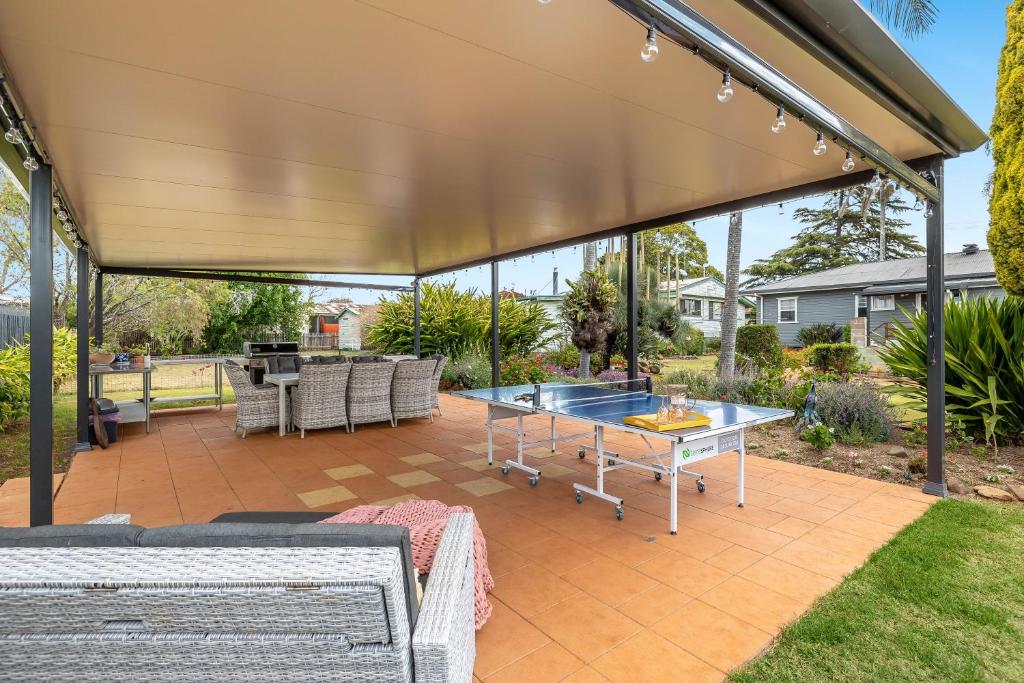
<point x="484" y="486"/>
<point x="480" y="464"/>
<point x="397" y="499"/>
<point x="539" y="452"/>
<point x="334" y="494"/>
<point x="421" y="459"/>
<point x="415" y="478"/>
<point x="348" y="472"/>
<point x="552" y="469"/>
<point x="480" y="448"/>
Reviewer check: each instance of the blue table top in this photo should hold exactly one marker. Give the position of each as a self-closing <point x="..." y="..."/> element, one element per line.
<point x="604" y="405"/>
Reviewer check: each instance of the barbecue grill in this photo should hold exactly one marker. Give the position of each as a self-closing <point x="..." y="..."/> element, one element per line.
<point x="256" y="353"/>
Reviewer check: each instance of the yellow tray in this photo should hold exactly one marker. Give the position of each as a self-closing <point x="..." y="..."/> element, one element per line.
<point x="651" y="422"/>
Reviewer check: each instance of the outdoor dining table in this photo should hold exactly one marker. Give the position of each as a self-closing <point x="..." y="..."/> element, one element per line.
<point x="283" y="380"/>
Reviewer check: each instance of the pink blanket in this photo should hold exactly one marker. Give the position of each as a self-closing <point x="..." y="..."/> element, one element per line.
<point x="425" y="520"/>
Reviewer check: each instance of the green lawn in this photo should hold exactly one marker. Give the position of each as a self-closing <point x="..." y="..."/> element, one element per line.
<point x="14" y="440"/>
<point x="698" y="363"/>
<point x="943" y="601"/>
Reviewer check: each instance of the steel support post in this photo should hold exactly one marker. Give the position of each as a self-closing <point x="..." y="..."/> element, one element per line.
<point x="632" y="306"/>
<point x="416" y="317"/>
<point x="495" y="345"/>
<point x="41" y="346"/>
<point x="82" y="383"/>
<point x="936" y="483"/>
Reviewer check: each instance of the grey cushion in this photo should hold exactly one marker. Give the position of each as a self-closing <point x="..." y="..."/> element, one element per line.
<point x="301" y="535"/>
<point x="368" y="359"/>
<point x="72" y="536"/>
<point x="283" y="364"/>
<point x="327" y="360"/>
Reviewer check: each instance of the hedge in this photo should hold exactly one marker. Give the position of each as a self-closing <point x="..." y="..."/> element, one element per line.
<point x="843" y="358"/>
<point x="761" y="344"/>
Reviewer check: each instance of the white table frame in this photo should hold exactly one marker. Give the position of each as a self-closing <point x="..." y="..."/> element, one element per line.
<point x="283" y="381"/>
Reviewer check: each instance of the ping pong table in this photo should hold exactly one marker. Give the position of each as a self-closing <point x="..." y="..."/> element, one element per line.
<point x="602" y="405"/>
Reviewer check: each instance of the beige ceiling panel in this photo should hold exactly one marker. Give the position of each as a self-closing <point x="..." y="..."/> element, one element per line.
<point x="391" y="136"/>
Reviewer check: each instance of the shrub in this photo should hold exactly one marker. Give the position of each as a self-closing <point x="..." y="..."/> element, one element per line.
<point x="760" y="343"/>
<point x="858" y="412"/>
<point x="819" y="333"/>
<point x="847" y="333"/>
<point x="820" y="436"/>
<point x="565" y="356"/>
<point x="840" y="358"/>
<point x="794" y="359"/>
<point x="470" y="371"/>
<point x="984" y="378"/>
<point x="689" y="340"/>
<point x="14" y="373"/>
<point x="454" y="323"/>
<point x="750" y="388"/>
<point x="713" y="345"/>
<point x="524" y="370"/>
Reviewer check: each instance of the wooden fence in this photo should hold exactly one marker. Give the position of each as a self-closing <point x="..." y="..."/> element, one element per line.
<point x="13" y="326"/>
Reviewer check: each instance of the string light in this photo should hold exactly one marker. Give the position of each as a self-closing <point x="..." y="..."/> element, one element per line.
<point x="544" y="2"/>
<point x="928" y="210"/>
<point x="779" y="124"/>
<point x="848" y="164"/>
<point x="780" y="209"/>
<point x="918" y="203"/>
<point x="649" y="52"/>
<point x="819" y="145"/>
<point x="725" y="92"/>
<point x="13" y="135"/>
<point x="31" y="163"/>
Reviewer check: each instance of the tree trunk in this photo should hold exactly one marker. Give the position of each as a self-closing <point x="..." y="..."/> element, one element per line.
<point x="730" y="308"/>
<point x="584" y="363"/>
<point x="589" y="256"/>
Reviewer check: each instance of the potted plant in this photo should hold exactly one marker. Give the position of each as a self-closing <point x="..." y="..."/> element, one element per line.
<point x="103" y="354"/>
<point x="138" y="355"/>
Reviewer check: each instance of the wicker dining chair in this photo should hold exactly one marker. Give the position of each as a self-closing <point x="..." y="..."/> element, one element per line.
<point x="369" y="393"/>
<point x="257" y="405"/>
<point x="318" y="402"/>
<point x="435" y="379"/>
<point x="411" y="389"/>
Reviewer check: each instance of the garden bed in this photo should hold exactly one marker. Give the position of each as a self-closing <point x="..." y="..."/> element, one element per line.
<point x="968" y="465"/>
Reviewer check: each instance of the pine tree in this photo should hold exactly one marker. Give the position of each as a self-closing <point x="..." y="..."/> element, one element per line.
<point x="1006" y="207"/>
<point x="844" y="231"/>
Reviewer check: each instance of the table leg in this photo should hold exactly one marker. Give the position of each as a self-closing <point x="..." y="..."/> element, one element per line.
<point x="554" y="434"/>
<point x="673" y="492"/>
<point x="740" y="466"/>
<point x="282" y="401"/>
<point x="490" y="434"/>
<point x="219" y="381"/>
<point x="146" y="384"/>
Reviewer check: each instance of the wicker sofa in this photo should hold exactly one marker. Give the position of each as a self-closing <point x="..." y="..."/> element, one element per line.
<point x="250" y="597"/>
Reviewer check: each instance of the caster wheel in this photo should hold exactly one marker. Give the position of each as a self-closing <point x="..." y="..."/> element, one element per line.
<point x="619" y="513"/>
<point x="611" y="462"/>
<point x="657" y="476"/>
<point x="582" y="454"/>
<point x="534" y="481"/>
<point x="504" y="470"/>
<point x="579" y="497"/>
<point x="701" y="487"/>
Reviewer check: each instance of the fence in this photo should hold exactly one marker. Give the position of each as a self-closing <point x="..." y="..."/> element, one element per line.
<point x="13" y="326"/>
<point x="319" y="341"/>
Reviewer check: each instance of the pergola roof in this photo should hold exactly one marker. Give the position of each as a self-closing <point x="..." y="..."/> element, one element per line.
<point x="394" y="137"/>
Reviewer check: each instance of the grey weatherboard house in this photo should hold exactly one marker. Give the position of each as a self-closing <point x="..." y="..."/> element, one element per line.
<point x="879" y="292"/>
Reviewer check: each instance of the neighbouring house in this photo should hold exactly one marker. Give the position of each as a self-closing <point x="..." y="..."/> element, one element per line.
<point x="700" y="302"/>
<point x="335" y="324"/>
<point x="870" y="297"/>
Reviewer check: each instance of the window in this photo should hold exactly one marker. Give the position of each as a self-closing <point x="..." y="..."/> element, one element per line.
<point x="787" y="310"/>
<point x="861" y="303"/>
<point x="715" y="312"/>
<point x="885" y="302"/>
<point x="690" y="307"/>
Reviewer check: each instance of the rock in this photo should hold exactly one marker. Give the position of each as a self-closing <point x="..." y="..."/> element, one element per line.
<point x="1017" y="490"/>
<point x="898" y="452"/>
<point x="992" y="493"/>
<point x="957" y="486"/>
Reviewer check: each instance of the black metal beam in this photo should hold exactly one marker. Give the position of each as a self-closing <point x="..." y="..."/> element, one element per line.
<point x="97" y="326"/>
<point x="756" y="201"/>
<point x="632" y="307"/>
<point x="687" y="28"/>
<point x="242" y="277"/>
<point x="936" y="358"/>
<point x="495" y="337"/>
<point x="82" y="383"/>
<point x="41" y="346"/>
<point x="416" y="317"/>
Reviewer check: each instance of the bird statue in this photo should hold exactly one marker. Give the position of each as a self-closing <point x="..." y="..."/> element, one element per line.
<point x="810" y="416"/>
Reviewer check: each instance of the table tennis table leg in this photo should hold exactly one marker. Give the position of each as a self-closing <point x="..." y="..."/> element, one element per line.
<point x="490" y="435"/>
<point x="742" y="452"/>
<point x="673" y="492"/>
<point x="598" y="490"/>
<point x="554" y="434"/>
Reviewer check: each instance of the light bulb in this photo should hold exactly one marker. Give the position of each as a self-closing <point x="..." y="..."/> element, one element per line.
<point x="918" y="203"/>
<point x="725" y="92"/>
<point x="819" y="145"/>
<point x="779" y="124"/>
<point x="31" y="164"/>
<point x="14" y="136"/>
<point x="68" y="228"/>
<point x="543" y="2"/>
<point x="62" y="215"/>
<point x="780" y="208"/>
<point x="928" y="210"/>
<point x="649" y="52"/>
<point x="848" y="164"/>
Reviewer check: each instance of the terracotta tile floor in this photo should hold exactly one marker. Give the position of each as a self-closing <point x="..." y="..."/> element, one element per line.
<point x="578" y="596"/>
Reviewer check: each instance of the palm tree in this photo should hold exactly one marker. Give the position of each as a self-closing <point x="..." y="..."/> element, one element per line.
<point x="730" y="308"/>
<point x="912" y="18"/>
<point x="589" y="312"/>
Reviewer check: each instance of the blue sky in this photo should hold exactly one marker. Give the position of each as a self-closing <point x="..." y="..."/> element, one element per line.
<point x="961" y="53"/>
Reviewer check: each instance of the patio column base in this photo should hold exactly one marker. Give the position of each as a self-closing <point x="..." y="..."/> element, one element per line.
<point x="81" y="447"/>
<point x="934" y="489"/>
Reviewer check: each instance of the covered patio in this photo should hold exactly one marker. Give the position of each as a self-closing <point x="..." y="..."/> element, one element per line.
<point x="418" y="139"/>
<point x="578" y="596"/>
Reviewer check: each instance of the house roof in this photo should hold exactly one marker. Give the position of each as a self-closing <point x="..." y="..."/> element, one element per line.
<point x="959" y="266"/>
<point x="215" y="136"/>
<point x="688" y="283"/>
<point x="335" y="308"/>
